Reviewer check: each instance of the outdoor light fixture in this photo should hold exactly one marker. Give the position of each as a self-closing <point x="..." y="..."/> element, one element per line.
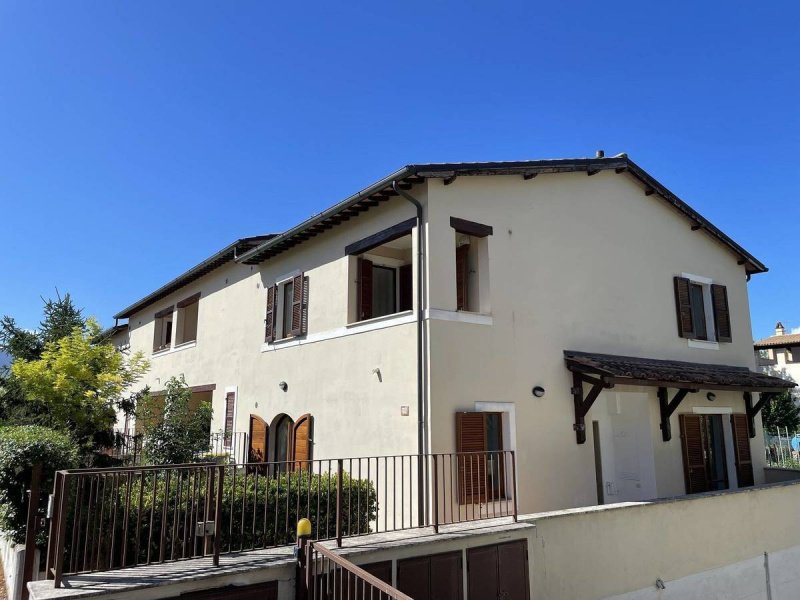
<point x="711" y="396"/>
<point x="538" y="391"/>
<point x="283" y="386"/>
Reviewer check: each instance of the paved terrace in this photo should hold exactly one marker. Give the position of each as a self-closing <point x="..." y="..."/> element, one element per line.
<point x="249" y="567"/>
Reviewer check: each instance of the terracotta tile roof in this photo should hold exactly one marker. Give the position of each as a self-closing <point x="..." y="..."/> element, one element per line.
<point x="651" y="371"/>
<point x="779" y="341"/>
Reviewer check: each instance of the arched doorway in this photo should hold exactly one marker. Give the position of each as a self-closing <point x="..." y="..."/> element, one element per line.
<point x="282" y="428"/>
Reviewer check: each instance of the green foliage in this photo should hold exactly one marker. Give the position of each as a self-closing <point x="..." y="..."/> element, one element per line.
<point x="782" y="411"/>
<point x="61" y="317"/>
<point x="21" y="448"/>
<point x="80" y="383"/>
<point x="173" y="432"/>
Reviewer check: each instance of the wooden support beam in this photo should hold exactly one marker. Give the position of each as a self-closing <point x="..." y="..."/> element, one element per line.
<point x="668" y="407"/>
<point x="753" y="410"/>
<point x="449" y="180"/>
<point x="529" y="176"/>
<point x="591" y="172"/>
<point x="696" y="227"/>
<point x="582" y="405"/>
<point x="649" y="192"/>
<point x="619" y="170"/>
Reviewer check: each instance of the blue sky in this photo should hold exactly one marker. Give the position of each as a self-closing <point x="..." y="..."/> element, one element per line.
<point x="138" y="138"/>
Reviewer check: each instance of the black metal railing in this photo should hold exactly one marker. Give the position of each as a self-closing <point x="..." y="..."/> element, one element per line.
<point x="105" y="519"/>
<point x="222" y="447"/>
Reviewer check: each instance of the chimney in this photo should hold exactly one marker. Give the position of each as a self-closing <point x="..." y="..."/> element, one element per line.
<point x="779" y="330"/>
<point x="600" y="154"/>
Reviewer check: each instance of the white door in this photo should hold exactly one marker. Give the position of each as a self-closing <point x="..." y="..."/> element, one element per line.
<point x="626" y="447"/>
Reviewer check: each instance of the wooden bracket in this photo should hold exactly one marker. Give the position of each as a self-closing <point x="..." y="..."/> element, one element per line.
<point x="752" y="411"/>
<point x="668" y="407"/>
<point x="582" y="405"/>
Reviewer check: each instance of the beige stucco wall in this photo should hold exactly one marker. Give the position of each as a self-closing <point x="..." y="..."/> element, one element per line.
<point x="579" y="263"/>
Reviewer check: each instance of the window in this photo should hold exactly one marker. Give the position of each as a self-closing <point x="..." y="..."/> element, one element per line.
<point x="384" y="280"/>
<point x="162" y="330"/>
<point x="702" y="309"/>
<point x="472" y="265"/>
<point x="287" y="308"/>
<point x="186" y="330"/>
<point x="481" y="460"/>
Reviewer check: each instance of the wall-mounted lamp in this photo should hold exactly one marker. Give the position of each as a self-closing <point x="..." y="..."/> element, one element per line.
<point x="711" y="396"/>
<point x="377" y="372"/>
<point x="283" y="385"/>
<point x="538" y="391"/>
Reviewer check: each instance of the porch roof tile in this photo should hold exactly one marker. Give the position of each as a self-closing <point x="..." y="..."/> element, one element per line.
<point x="671" y="373"/>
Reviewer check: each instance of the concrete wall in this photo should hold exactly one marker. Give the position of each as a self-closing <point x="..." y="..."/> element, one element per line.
<point x="579" y="263"/>
<point x="706" y="546"/>
<point x="778" y="474"/>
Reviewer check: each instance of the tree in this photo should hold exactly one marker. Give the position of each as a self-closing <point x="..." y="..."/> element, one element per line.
<point x="781" y="411"/>
<point x="80" y="384"/>
<point x="173" y="432"/>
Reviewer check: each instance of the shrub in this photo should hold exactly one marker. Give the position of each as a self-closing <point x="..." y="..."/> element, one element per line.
<point x="21" y="447"/>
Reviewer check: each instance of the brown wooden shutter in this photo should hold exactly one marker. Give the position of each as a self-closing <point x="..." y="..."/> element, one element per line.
<point x="462" y="276"/>
<point x="230" y="403"/>
<point x="470" y="439"/>
<point x="683" y="305"/>
<point x="722" y="316"/>
<point x="258" y="439"/>
<point x="741" y="447"/>
<point x="406" y="287"/>
<point x="272" y="306"/>
<point x="364" y="289"/>
<point x="694" y="462"/>
<point x="299" y="305"/>
<point x="301" y="441"/>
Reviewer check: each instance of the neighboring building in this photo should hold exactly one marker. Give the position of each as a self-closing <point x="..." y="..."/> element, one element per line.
<point x="483" y="306"/>
<point x="779" y="354"/>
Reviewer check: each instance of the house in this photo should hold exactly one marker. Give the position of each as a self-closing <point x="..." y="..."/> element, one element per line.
<point x="573" y="311"/>
<point x="779" y="354"/>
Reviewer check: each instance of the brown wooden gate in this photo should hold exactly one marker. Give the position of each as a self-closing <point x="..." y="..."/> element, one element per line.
<point x="498" y="571"/>
<point x="432" y="577"/>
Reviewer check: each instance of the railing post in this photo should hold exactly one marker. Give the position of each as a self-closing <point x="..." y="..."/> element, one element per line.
<point x="514" y="481"/>
<point x="218" y="514"/>
<point x="207" y="543"/>
<point x="30" y="528"/>
<point x="339" y="473"/>
<point x="61" y="531"/>
<point x="51" y="538"/>
<point x="435" y="495"/>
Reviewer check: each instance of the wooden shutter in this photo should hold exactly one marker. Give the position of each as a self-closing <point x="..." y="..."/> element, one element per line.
<point x="693" y="445"/>
<point x="272" y="306"/>
<point x="230" y="403"/>
<point x="462" y="276"/>
<point x="406" y="287"/>
<point x="301" y="441"/>
<point x="258" y="439"/>
<point x="722" y="316"/>
<point x="364" y="289"/>
<point x="470" y="439"/>
<point x="741" y="447"/>
<point x="299" y="305"/>
<point x="683" y="305"/>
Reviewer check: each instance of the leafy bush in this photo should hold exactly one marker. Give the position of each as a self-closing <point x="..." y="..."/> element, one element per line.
<point x="20" y="448"/>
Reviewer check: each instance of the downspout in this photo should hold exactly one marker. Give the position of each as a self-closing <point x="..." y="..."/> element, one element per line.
<point x="421" y="437"/>
<point x="422" y="506"/>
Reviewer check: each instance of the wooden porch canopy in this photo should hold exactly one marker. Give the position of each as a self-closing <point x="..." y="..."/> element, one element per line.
<point x="604" y="371"/>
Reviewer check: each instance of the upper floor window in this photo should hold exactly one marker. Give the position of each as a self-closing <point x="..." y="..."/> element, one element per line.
<point x="162" y="332"/>
<point x="702" y="309"/>
<point x="186" y="327"/>
<point x="472" y="265"/>
<point x="287" y="308"/>
<point x="383" y="282"/>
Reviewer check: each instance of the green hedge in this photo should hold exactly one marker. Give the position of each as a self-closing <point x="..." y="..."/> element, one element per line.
<point x="20" y="448"/>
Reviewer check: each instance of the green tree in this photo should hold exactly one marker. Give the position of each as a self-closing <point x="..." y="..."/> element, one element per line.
<point x="782" y="411"/>
<point x="80" y="384"/>
<point x="173" y="432"/>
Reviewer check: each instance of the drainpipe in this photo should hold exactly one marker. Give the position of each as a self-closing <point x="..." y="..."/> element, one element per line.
<point x="421" y="433"/>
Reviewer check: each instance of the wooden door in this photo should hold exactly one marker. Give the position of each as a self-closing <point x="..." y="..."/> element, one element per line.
<point x="431" y="577"/>
<point x="258" y="591"/>
<point x="258" y="439"/>
<point x="498" y="571"/>
<point x="301" y="441"/>
<point x="694" y="459"/>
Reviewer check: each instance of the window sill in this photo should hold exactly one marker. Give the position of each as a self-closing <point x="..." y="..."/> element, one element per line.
<point x="178" y="348"/>
<point x="396" y="315"/>
<point x="460" y="316"/>
<point x="703" y="344"/>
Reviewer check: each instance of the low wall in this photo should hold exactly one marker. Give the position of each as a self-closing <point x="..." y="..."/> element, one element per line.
<point x="704" y="546"/>
<point x="779" y="474"/>
<point x="13" y="557"/>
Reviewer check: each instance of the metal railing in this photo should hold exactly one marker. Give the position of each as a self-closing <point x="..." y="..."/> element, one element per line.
<point x="105" y="519"/>
<point x="226" y="447"/>
<point x="127" y="448"/>
<point x="328" y="576"/>
<point x="782" y="448"/>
